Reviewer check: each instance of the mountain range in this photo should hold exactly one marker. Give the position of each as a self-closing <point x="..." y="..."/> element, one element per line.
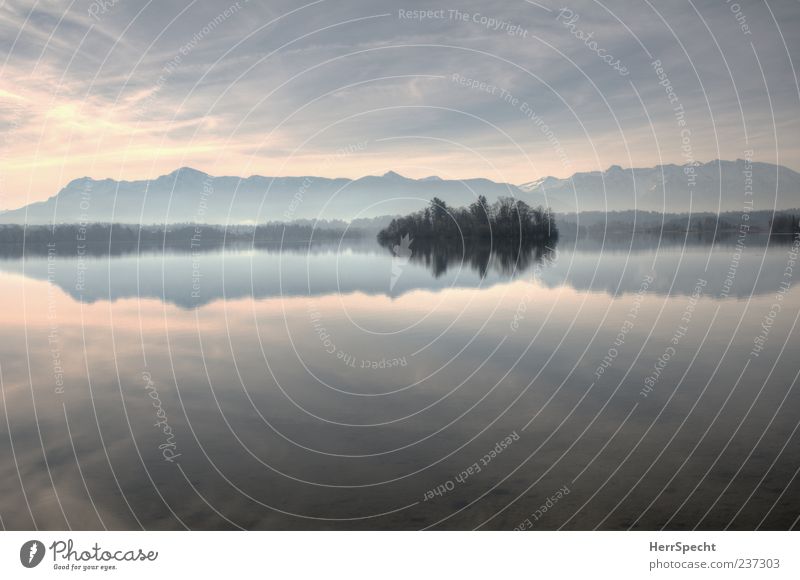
<point x="705" y="187"/>
<point x="189" y="195"/>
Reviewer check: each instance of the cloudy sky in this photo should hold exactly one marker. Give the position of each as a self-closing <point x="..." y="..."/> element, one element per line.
<point x="512" y="91"/>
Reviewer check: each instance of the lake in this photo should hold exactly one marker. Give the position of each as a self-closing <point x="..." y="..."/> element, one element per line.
<point x="625" y="383"/>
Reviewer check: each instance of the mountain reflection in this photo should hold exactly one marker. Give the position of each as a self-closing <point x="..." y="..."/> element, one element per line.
<point x="193" y="279"/>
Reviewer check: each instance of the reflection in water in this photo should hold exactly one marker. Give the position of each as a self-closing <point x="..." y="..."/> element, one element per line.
<point x="506" y="259"/>
<point x="614" y="266"/>
<point x="331" y="386"/>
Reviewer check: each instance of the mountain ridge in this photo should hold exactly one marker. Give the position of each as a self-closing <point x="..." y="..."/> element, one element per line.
<point x="717" y="185"/>
<point x="191" y="195"/>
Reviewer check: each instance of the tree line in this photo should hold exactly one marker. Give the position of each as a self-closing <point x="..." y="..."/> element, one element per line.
<point x="784" y="224"/>
<point x="174" y="234"/>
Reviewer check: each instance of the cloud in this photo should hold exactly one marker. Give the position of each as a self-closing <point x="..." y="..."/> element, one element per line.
<point x="132" y="90"/>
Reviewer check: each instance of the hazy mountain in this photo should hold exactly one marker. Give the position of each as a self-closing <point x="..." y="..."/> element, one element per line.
<point x="718" y="185"/>
<point x="188" y="195"/>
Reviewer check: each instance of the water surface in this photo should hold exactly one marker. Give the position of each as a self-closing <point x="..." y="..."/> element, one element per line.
<point x="614" y="384"/>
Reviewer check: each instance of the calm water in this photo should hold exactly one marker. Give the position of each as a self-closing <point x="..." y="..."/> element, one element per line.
<point x="626" y="384"/>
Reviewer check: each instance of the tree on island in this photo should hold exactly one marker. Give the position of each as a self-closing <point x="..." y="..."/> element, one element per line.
<point x="508" y="219"/>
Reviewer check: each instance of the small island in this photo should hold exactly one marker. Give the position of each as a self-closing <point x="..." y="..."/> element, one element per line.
<point x="507" y="220"/>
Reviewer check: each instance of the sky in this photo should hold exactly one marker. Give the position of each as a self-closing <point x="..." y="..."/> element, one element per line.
<point x="512" y="91"/>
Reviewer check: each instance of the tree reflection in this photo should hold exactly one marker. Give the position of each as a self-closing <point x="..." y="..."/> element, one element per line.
<point x="505" y="257"/>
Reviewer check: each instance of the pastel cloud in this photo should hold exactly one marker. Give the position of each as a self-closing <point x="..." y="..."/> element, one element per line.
<point x="137" y="89"/>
